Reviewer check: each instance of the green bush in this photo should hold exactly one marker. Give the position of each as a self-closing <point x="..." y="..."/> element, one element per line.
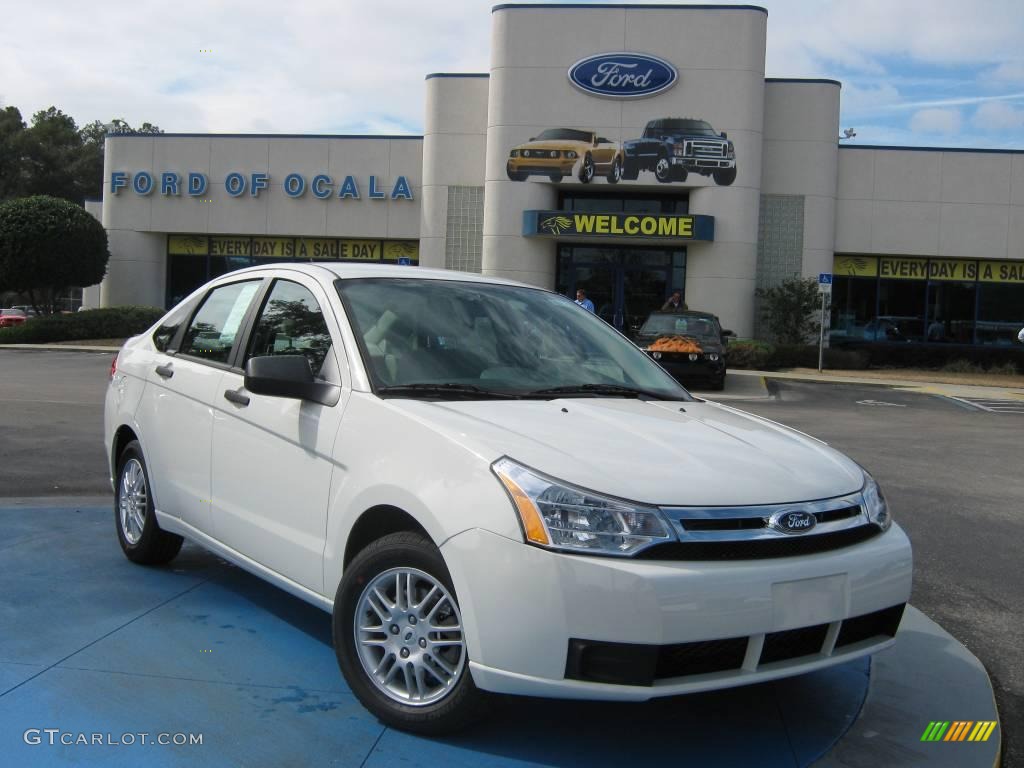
<point x="111" y="323"/>
<point x="751" y="354"/>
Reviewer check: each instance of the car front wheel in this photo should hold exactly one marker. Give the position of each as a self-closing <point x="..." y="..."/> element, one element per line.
<point x="663" y="170"/>
<point x="400" y="640"/>
<point x="142" y="540"/>
<point x="587" y="169"/>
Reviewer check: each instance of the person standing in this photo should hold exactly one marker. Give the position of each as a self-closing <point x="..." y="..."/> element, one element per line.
<point x="583" y="301"/>
<point x="675" y="303"/>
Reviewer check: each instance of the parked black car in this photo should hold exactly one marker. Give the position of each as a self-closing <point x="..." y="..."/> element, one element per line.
<point x="674" y="147"/>
<point x="691" y="346"/>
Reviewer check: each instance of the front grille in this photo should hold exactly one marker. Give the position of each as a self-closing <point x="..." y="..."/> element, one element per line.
<point x="793" y="643"/>
<point x="708" y="149"/>
<point x="753" y="523"/>
<point x="882" y="623"/>
<point x="700" y="658"/>
<point x="642" y="664"/>
<point x="756" y="549"/>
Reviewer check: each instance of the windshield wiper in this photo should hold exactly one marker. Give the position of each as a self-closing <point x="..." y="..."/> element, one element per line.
<point x="596" y="390"/>
<point x="444" y="390"/>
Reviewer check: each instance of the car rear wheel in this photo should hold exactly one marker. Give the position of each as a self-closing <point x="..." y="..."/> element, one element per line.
<point x="142" y="540"/>
<point x="400" y="640"/>
<point x="555" y="177"/>
<point x="615" y="172"/>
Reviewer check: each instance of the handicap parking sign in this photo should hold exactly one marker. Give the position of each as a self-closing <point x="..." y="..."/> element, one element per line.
<point x="404" y="261"/>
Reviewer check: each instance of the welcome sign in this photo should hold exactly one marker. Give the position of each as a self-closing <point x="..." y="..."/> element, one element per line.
<point x="620" y="225"/>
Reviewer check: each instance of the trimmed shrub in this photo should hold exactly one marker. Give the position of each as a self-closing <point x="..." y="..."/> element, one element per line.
<point x="110" y="323"/>
<point x="751" y="354"/>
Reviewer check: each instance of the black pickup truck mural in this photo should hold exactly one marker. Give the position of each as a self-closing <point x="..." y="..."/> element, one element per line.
<point x="674" y="147"/>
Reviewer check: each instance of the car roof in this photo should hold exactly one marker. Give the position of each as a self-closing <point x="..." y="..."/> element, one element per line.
<point x="347" y="271"/>
<point x="685" y="313"/>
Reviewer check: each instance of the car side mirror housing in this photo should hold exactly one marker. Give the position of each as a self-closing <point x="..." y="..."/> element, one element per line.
<point x="726" y="335"/>
<point x="532" y="138"/>
<point x="725" y="135"/>
<point x="288" y="376"/>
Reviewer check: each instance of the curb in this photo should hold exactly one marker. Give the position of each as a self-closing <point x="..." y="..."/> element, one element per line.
<point x="993" y="391"/>
<point x="59" y="348"/>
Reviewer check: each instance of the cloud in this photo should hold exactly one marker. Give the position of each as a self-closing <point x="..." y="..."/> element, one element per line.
<point x="857" y="101"/>
<point x="1008" y="72"/>
<point x="997" y="117"/>
<point x="941" y="121"/>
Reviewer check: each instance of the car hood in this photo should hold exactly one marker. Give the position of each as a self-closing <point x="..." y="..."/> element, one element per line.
<point x="666" y="453"/>
<point x="561" y="144"/>
<point x="706" y="345"/>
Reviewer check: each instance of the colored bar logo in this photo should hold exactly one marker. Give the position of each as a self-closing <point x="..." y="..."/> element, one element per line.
<point x="958" y="730"/>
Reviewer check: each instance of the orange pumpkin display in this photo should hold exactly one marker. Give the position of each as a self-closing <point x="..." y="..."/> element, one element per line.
<point x="675" y="344"/>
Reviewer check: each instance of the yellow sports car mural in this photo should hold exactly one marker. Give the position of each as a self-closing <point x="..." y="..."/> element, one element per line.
<point x="557" y="151"/>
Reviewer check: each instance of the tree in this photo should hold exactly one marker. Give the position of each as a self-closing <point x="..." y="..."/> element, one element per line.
<point x="48" y="245"/>
<point x="12" y="151"/>
<point x="52" y="147"/>
<point x="789" y="309"/>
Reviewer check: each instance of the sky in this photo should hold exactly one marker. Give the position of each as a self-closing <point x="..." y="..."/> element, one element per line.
<point x="914" y="72"/>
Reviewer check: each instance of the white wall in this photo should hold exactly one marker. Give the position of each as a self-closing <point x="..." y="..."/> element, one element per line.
<point x="801" y="124"/>
<point x="454" y="148"/>
<point x="957" y="203"/>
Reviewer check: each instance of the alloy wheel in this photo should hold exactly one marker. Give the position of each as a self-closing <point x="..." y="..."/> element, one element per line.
<point x="132" y="501"/>
<point x="408" y="632"/>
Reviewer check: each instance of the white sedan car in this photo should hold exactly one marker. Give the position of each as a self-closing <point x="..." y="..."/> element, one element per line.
<point x="491" y="490"/>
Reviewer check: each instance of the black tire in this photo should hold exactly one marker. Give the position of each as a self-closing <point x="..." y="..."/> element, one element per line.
<point x="725" y="176"/>
<point x="586" y="174"/>
<point x="514" y="175"/>
<point x="555" y="177"/>
<point x="154" y="546"/>
<point x="615" y="172"/>
<point x="718" y="384"/>
<point x="679" y="174"/>
<point x="464" y="704"/>
<point x="663" y="169"/>
<point x="630" y="170"/>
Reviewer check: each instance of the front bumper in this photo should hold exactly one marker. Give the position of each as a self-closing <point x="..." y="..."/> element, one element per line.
<point x="523" y="607"/>
<point x="683" y="369"/>
<point x="561" y="165"/>
<point x="698" y="163"/>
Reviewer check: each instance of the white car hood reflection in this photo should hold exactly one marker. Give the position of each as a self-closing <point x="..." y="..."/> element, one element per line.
<point x="649" y="452"/>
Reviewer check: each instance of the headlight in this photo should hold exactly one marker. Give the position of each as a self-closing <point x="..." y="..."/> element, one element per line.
<point x="731" y="150"/>
<point x="571" y="154"/>
<point x="713" y="357"/>
<point x="875" y="504"/>
<point x="694" y="357"/>
<point x="559" y="516"/>
<point x="553" y="153"/>
<point x="514" y="153"/>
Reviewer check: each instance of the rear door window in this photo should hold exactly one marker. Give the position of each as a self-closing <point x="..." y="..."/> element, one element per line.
<point x="212" y="332"/>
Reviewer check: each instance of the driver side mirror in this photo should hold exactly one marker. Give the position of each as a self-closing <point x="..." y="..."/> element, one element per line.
<point x="726" y="335"/>
<point x="288" y="376"/>
<point x="725" y="135"/>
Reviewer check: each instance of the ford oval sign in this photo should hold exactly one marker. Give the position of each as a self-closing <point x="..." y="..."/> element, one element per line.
<point x="792" y="521"/>
<point x="623" y="75"/>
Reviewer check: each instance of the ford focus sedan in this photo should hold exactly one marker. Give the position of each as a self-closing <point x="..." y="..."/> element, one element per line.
<point x="491" y="492"/>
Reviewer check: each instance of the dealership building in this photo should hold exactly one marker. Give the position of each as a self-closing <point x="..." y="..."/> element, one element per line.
<point x="629" y="150"/>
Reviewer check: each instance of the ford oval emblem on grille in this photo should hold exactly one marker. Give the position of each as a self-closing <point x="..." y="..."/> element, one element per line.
<point x="622" y="75"/>
<point x="792" y="521"/>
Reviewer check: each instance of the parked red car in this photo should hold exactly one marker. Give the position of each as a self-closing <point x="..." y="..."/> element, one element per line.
<point x="9" y="317"/>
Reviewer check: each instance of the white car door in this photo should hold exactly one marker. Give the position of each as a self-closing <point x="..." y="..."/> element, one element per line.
<point x="175" y="414"/>
<point x="272" y="457"/>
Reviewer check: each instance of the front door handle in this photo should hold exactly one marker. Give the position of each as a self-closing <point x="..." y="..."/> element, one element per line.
<point x="165" y="371"/>
<point x="236" y="397"/>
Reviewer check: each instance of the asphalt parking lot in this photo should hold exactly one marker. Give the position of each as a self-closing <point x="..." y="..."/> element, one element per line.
<point x="953" y="476"/>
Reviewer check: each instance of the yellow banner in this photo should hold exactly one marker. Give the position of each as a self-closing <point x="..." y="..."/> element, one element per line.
<point x="1001" y="272"/>
<point x="399" y="249"/>
<point x="187" y="245"/>
<point x="949" y="269"/>
<point x="273" y="247"/>
<point x="855" y="266"/>
<point x="903" y="269"/>
<point x="327" y="249"/>
<point x="230" y="246"/>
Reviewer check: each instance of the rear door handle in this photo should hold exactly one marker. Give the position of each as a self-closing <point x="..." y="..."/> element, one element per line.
<point x="165" y="371"/>
<point x="236" y="397"/>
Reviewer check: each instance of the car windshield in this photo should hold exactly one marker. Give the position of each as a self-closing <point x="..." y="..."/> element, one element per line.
<point x="465" y="339"/>
<point x="699" y="127"/>
<point x="564" y="134"/>
<point x="681" y="325"/>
